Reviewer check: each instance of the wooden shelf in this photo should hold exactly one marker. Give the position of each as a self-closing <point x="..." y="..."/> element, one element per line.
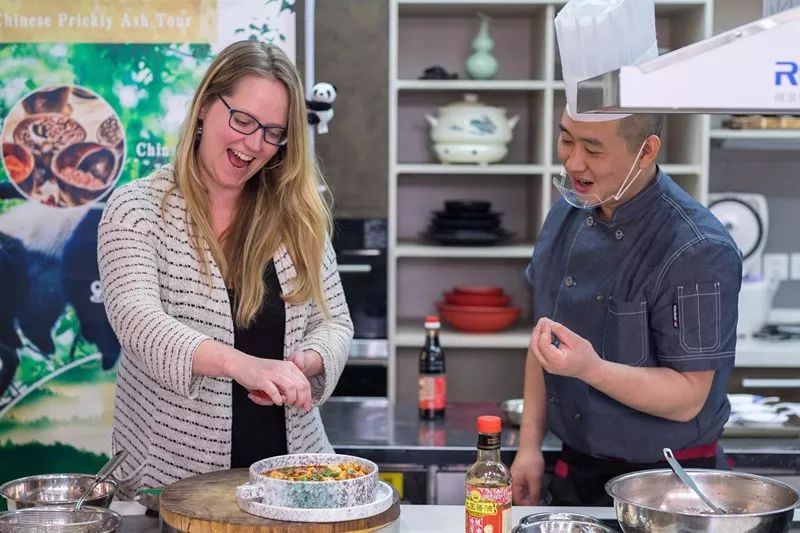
<point x="456" y="169"/>
<point x="756" y="139"/>
<point x="410" y="334"/>
<point x="670" y="168"/>
<point x="511" y="251"/>
<point x="439" y="32"/>
<point x="472" y="85"/>
<point x="755" y="134"/>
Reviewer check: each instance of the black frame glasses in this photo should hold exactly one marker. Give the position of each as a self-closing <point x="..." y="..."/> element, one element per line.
<point x="243" y="122"/>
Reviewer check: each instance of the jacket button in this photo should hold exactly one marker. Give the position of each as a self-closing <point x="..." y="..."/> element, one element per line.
<point x="599" y="298"/>
<point x="590" y="221"/>
<point x="578" y="416"/>
<point x="619" y="234"/>
<point x="569" y="282"/>
<point x="553" y="400"/>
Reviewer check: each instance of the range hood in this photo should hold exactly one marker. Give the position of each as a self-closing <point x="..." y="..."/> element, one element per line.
<point x="752" y="69"/>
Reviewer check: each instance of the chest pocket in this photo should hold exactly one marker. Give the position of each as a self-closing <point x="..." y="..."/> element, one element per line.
<point x="699" y="317"/>
<point x="625" y="339"/>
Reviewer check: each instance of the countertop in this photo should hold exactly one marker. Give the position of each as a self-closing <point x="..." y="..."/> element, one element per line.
<point x="393" y="434"/>
<point x="422" y="518"/>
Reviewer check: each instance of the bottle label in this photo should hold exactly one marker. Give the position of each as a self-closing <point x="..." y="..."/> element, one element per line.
<point x="488" y="509"/>
<point x="432" y="391"/>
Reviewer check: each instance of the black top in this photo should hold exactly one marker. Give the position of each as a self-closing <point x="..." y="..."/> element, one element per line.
<point x="259" y="431"/>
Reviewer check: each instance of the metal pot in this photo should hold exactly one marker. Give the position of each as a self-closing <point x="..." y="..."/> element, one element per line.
<point x="56" y="489"/>
<point x="512" y="411"/>
<point x="560" y="523"/>
<point x="53" y="519"/>
<point x="656" y="501"/>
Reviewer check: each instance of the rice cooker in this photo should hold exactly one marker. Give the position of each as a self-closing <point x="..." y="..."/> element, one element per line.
<point x="745" y="217"/>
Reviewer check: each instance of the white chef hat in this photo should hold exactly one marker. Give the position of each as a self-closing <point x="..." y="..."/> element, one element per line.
<point x="598" y="36"/>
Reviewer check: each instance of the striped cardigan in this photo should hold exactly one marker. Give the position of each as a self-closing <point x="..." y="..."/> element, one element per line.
<point x="172" y="423"/>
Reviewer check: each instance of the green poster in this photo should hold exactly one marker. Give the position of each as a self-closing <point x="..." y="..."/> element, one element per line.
<point x="91" y="97"/>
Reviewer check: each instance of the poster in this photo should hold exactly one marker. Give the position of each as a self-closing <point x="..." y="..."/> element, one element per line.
<point x="92" y="95"/>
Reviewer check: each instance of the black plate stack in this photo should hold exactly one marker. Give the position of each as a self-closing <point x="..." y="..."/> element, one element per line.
<point x="466" y="223"/>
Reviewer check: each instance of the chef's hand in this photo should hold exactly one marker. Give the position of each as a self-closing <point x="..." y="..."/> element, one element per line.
<point x="571" y="355"/>
<point x="308" y="361"/>
<point x="277" y="382"/>
<point x="526" y="476"/>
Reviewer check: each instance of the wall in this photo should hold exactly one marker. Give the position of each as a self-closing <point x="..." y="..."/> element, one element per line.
<point x="352" y="51"/>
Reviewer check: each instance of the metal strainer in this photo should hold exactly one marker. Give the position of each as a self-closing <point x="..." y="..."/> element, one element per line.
<point x="60" y="519"/>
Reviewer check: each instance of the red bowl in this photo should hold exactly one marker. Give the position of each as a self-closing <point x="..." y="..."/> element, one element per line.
<point x="466" y="298"/>
<point x="478" y="319"/>
<point x="477" y="289"/>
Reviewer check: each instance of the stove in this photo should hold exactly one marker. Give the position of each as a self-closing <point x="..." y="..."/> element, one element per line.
<point x="782" y="332"/>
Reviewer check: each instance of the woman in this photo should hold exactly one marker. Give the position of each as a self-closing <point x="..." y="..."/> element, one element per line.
<point x="220" y="282"/>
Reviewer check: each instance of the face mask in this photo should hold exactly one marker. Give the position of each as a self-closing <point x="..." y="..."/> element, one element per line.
<point x="564" y="184"/>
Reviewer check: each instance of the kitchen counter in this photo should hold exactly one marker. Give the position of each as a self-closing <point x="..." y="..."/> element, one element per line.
<point x="423" y="518"/>
<point x="393" y="434"/>
<point x="763" y="353"/>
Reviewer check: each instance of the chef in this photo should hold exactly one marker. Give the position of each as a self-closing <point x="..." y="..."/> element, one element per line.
<point x="635" y="287"/>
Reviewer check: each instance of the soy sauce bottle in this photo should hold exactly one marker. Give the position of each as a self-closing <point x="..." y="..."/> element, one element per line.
<point x="432" y="378"/>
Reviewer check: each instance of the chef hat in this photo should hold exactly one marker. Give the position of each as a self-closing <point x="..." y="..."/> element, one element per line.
<point x="598" y="36"/>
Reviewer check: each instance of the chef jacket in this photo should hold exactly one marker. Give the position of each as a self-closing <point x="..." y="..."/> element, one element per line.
<point x="656" y="286"/>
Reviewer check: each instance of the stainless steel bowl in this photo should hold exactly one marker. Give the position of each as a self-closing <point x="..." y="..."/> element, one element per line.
<point x="560" y="523"/>
<point x="512" y="411"/>
<point x="55" y="519"/>
<point x="545" y="517"/>
<point x="656" y="501"/>
<point x="56" y="489"/>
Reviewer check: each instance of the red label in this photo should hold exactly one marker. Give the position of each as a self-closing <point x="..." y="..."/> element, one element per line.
<point x="488" y="509"/>
<point x="432" y="392"/>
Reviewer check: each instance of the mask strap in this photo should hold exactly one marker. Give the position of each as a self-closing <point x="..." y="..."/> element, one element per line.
<point x="627" y="184"/>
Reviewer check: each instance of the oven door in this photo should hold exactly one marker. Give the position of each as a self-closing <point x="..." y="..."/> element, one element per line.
<point x="363" y="274"/>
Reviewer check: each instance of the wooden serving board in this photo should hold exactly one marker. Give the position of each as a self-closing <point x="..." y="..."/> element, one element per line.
<point x="207" y="504"/>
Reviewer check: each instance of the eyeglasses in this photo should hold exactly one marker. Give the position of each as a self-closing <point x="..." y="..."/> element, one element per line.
<point x="246" y="123"/>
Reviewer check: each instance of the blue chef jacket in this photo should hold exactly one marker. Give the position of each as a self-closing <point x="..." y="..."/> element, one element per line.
<point x="658" y="285"/>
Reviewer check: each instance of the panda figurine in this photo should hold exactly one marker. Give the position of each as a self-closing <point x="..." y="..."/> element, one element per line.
<point x="320" y="106"/>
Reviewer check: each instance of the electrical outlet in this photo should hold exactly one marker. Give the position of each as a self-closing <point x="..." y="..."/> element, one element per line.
<point x="776" y="266"/>
<point x="794" y="266"/>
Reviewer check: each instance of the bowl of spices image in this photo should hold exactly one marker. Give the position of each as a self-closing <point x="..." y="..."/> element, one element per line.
<point x="76" y="141"/>
<point x="18" y="163"/>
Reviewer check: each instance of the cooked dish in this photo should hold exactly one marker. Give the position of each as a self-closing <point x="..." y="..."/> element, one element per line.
<point x="335" y="472"/>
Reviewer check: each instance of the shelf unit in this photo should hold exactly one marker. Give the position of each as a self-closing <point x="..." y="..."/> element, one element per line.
<point x="528" y="84"/>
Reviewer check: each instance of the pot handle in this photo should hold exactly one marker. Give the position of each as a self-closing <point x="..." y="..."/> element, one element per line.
<point x="431" y="120"/>
<point x="250" y="492"/>
<point x="513" y="122"/>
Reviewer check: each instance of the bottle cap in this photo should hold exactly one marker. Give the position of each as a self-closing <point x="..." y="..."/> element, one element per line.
<point x="432" y="321"/>
<point x="489" y="424"/>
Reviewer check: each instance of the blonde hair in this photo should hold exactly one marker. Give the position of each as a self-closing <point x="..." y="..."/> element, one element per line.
<point x="279" y="204"/>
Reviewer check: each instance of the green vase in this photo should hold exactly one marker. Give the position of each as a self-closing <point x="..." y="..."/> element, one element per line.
<point x="482" y="65"/>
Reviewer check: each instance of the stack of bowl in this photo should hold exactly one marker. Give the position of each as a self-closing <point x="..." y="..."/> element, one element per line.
<point x="466" y="223"/>
<point x="474" y="309"/>
<point x="46" y="503"/>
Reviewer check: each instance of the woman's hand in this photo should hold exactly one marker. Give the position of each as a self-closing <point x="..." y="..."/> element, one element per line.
<point x="308" y="361"/>
<point x="271" y="382"/>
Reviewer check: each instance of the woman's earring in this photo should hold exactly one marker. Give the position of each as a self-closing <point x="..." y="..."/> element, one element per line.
<point x="199" y="131"/>
<point x="280" y="157"/>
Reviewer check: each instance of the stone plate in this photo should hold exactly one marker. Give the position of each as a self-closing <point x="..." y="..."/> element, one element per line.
<point x="247" y="498"/>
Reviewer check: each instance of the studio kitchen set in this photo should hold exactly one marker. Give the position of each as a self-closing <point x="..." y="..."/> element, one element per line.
<point x="392" y="455"/>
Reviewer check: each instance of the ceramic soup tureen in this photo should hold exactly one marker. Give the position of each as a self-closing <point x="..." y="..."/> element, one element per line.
<point x="471" y="132"/>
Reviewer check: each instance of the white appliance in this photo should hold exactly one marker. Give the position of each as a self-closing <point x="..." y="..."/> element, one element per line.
<point x="745" y="216"/>
<point x="752" y="69"/>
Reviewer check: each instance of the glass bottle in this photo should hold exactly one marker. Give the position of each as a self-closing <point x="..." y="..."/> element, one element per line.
<point x="432" y="378"/>
<point x="487" y="489"/>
